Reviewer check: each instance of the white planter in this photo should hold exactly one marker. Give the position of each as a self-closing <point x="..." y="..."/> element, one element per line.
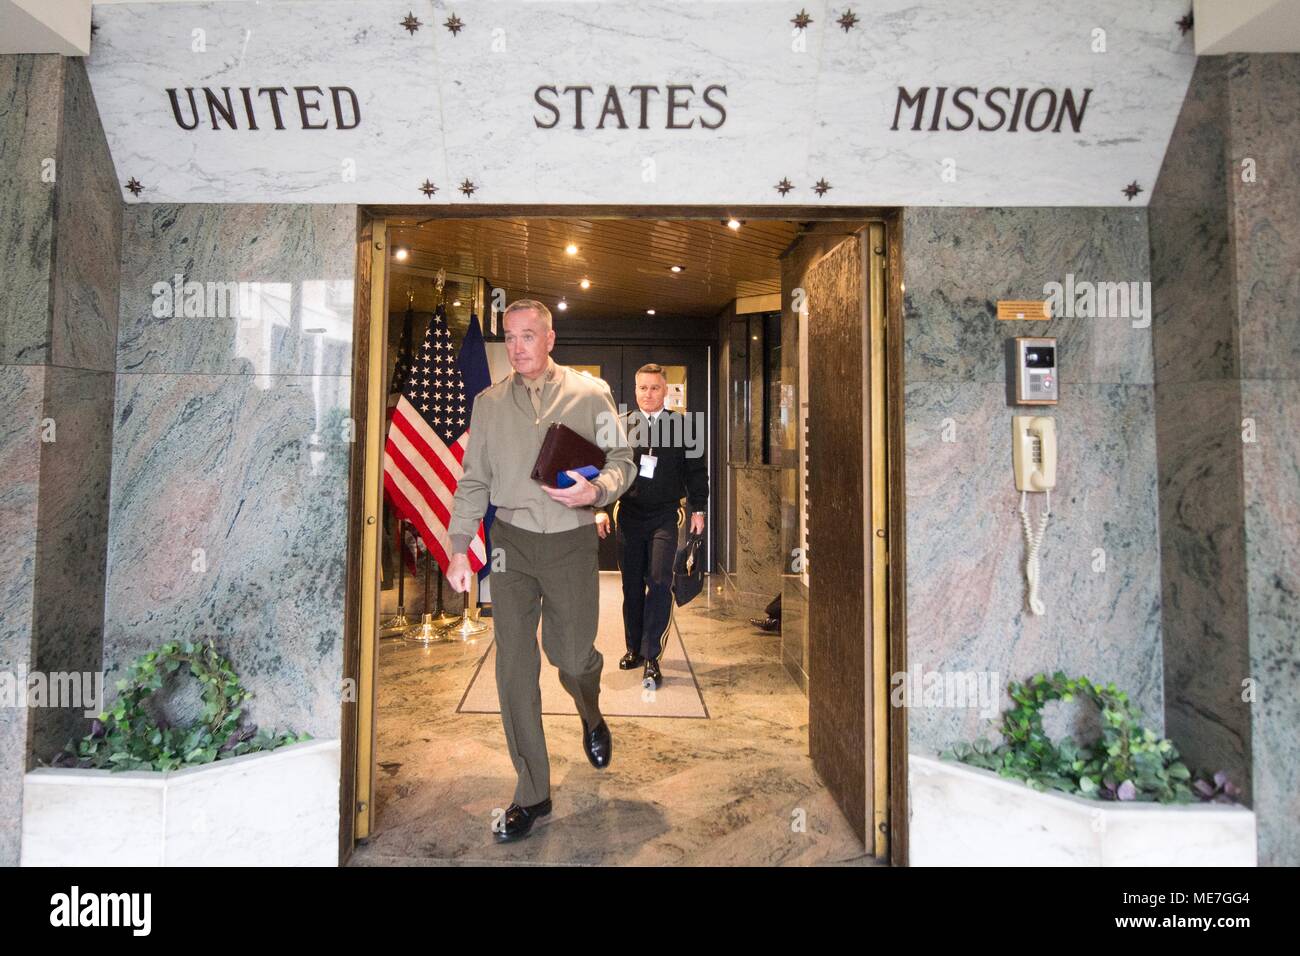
<point x="279" y="807"/>
<point x="966" y="816"/>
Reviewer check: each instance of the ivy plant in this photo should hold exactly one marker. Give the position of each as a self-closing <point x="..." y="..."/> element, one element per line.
<point x="1127" y="762"/>
<point x="129" y="737"/>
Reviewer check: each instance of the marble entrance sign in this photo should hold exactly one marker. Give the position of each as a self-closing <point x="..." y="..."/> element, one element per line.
<point x="992" y="102"/>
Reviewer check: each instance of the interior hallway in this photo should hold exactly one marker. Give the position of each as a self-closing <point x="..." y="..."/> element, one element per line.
<point x="725" y="790"/>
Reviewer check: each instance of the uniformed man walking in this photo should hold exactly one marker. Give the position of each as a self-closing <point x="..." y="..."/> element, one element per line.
<point x="544" y="562"/>
<point x="670" y="466"/>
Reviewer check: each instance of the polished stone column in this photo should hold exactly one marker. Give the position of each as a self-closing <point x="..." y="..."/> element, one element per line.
<point x="60" y="224"/>
<point x="1227" y="342"/>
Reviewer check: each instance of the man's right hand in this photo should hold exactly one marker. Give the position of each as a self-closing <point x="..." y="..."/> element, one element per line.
<point x="459" y="573"/>
<point x="602" y="523"/>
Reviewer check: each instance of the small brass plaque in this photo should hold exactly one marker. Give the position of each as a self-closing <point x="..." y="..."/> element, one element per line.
<point x="1038" y="309"/>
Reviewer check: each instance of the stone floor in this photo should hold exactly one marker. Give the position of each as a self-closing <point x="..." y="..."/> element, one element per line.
<point x="736" y="788"/>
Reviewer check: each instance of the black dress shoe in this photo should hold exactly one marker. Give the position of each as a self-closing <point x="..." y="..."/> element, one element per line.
<point x="630" y="661"/>
<point x="597" y="744"/>
<point x="766" y="623"/>
<point x="652" y="674"/>
<point x="519" y="820"/>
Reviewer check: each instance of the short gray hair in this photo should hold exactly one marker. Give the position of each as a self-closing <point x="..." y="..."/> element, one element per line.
<point x="523" y="305"/>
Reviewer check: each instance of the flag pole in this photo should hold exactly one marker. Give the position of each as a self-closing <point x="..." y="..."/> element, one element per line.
<point x="430" y="630"/>
<point x="468" y="627"/>
<point x="442" y="618"/>
<point x="401" y="567"/>
<point x="431" y="626"/>
<point x="399" y="622"/>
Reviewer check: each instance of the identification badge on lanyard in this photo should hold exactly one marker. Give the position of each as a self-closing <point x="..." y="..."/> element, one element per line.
<point x="648" y="463"/>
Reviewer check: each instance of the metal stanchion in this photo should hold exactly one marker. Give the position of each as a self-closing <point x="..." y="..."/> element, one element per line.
<point x="431" y="628"/>
<point x="394" y="626"/>
<point x="467" y="626"/>
<point x="443" y="616"/>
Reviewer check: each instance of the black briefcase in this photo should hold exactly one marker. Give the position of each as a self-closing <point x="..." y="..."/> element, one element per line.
<point x="688" y="570"/>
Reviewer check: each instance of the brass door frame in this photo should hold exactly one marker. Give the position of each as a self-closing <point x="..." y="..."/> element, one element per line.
<point x="361" y="650"/>
<point x="888" y="756"/>
<point x="874" y="416"/>
<point x="896" y="530"/>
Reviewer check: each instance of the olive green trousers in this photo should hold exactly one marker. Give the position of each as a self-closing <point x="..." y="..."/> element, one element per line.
<point x="554" y="578"/>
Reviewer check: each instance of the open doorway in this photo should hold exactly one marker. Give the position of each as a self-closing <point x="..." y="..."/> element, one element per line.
<point x="775" y="745"/>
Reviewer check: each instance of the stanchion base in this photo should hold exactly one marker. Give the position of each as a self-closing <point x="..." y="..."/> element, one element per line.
<point x="428" y="631"/>
<point x="465" y="628"/>
<point x="395" y="625"/>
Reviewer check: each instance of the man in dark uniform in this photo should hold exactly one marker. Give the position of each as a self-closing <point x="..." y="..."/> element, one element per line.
<point x="671" y="465"/>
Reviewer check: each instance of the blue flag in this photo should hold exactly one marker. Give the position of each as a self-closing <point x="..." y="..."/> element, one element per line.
<point x="473" y="365"/>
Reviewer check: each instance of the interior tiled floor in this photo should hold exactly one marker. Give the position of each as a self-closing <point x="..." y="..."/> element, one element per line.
<point x="737" y="788"/>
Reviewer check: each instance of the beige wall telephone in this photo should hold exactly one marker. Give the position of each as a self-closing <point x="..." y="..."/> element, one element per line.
<point x="1033" y="455"/>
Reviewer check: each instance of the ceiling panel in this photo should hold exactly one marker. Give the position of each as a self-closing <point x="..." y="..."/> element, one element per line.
<point x="626" y="260"/>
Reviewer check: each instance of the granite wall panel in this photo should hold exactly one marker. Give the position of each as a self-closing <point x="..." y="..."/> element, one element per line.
<point x="230" y="480"/>
<point x="1100" y="559"/>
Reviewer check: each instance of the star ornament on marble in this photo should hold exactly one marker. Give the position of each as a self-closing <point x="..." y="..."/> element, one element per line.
<point x="1132" y="189"/>
<point x="468" y="187"/>
<point x="1185" y="23"/>
<point x="454" y="24"/>
<point x="822" y="187"/>
<point x="428" y="189"/>
<point x="784" y="186"/>
<point x="411" y="23"/>
<point x="801" y="19"/>
<point x="848" y="20"/>
<point x="134" y="186"/>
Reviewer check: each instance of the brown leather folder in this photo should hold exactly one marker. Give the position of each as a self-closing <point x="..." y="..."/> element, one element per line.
<point x="563" y="449"/>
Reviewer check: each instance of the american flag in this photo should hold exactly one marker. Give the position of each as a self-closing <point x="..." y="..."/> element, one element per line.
<point x="403" y="535"/>
<point x="426" y="444"/>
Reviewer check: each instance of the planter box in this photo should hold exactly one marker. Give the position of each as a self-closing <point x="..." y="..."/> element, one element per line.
<point x="278" y="808"/>
<point x="966" y="816"/>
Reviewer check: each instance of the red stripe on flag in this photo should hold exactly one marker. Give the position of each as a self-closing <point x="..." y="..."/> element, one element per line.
<point x="415" y="459"/>
<point x="427" y="494"/>
<point x="411" y="513"/>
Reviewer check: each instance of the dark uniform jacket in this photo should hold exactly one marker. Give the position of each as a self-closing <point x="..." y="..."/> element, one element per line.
<point x="677" y="474"/>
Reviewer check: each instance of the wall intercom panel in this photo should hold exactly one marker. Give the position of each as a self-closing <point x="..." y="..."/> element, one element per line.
<point x="1035" y="371"/>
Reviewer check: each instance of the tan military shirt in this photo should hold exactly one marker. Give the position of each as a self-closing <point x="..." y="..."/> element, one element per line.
<point x="506" y="430"/>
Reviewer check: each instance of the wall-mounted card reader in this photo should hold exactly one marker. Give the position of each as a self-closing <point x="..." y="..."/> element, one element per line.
<point x="1036" y="378"/>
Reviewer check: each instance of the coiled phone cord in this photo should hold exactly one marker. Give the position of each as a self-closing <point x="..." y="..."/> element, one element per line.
<point x="1034" y="540"/>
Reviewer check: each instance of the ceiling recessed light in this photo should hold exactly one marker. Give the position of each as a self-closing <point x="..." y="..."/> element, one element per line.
<point x="563" y="305"/>
<point x="676" y="268"/>
<point x="585" y="283"/>
<point x="571" y="249"/>
<point x="456" y="303"/>
<point x="400" y="254"/>
<point x="733" y="224"/>
<point x="649" y="311"/>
